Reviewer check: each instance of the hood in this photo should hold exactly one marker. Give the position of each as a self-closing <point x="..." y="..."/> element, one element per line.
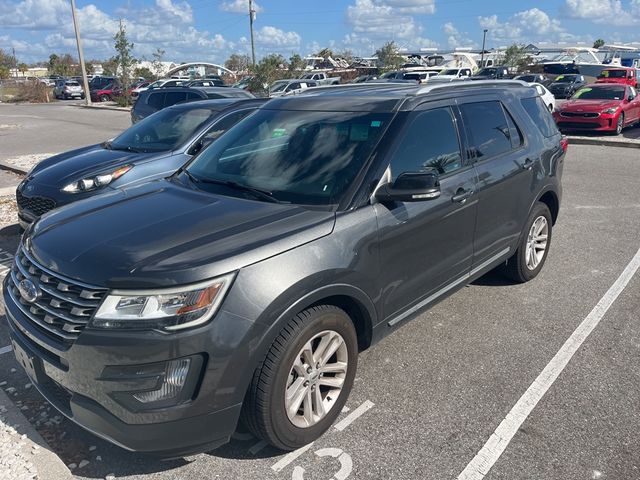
<point x="560" y="86"/>
<point x="162" y="233"/>
<point x="588" y="105"/>
<point x="59" y="170"/>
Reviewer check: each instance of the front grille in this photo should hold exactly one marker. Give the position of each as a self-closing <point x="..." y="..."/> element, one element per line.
<point x="578" y="125"/>
<point x="36" y="205"/>
<point x="64" y="306"/>
<point x="580" y="114"/>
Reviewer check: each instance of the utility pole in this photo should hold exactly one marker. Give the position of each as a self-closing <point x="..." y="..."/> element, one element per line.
<point x="252" y="17"/>
<point x="85" y="81"/>
<point x="484" y="39"/>
<point x="15" y="62"/>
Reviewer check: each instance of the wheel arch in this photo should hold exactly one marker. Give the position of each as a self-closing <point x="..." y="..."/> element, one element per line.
<point x="550" y="199"/>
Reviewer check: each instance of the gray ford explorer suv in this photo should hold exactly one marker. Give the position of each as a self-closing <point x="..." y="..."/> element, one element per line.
<point x="244" y="285"/>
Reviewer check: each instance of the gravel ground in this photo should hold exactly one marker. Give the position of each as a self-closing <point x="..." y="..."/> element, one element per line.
<point x="14" y="462"/>
<point x="26" y="162"/>
<point x="8" y="210"/>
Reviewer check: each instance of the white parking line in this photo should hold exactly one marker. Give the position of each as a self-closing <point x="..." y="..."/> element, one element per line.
<point x="349" y="419"/>
<point x="289" y="457"/>
<point x="502" y="436"/>
<point x="6" y="349"/>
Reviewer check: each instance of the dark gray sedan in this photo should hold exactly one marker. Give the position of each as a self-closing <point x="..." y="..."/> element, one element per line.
<point x="156" y="146"/>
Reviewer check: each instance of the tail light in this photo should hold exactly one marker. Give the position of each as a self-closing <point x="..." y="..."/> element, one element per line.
<point x="564" y="143"/>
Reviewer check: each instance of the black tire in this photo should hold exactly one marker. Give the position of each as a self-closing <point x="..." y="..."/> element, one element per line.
<point x="551" y="108"/>
<point x="263" y="411"/>
<point x="516" y="267"/>
<point x="104" y="98"/>
<point x="619" y="125"/>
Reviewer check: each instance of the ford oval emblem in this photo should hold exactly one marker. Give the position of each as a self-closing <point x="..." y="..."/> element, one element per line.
<point x="28" y="290"/>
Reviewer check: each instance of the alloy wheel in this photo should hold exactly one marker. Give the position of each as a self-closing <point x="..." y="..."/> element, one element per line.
<point x="620" y="124"/>
<point x="537" y="242"/>
<point x="316" y="379"/>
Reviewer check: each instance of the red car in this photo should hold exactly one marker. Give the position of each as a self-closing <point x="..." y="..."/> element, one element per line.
<point x="623" y="75"/>
<point x="606" y="107"/>
<point x="106" y="93"/>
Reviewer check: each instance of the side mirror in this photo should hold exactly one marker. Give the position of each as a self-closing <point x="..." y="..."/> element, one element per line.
<point x="630" y="98"/>
<point x="411" y="187"/>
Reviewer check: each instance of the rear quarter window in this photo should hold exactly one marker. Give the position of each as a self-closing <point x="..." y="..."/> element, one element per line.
<point x="539" y="113"/>
<point x="156" y="100"/>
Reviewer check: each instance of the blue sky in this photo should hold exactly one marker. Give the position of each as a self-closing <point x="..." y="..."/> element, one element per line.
<point x="210" y="30"/>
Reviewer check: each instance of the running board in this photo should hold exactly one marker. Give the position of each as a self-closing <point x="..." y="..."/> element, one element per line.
<point x="449" y="287"/>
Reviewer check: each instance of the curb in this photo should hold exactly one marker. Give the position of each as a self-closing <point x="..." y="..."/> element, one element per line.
<point x="602" y="142"/>
<point x="94" y="107"/>
<point x="48" y="465"/>
<point x="12" y="168"/>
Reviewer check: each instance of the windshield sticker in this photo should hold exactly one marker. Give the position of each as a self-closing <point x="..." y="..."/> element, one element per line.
<point x="278" y="132"/>
<point x="559" y="77"/>
<point x="581" y="92"/>
<point x="376" y="123"/>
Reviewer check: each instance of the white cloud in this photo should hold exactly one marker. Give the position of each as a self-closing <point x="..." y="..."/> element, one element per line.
<point x="376" y="20"/>
<point x="610" y="12"/>
<point x="524" y="27"/>
<point x="270" y="37"/>
<point x="456" y="38"/>
<point x="418" y="7"/>
<point x="34" y="14"/>
<point x="239" y="6"/>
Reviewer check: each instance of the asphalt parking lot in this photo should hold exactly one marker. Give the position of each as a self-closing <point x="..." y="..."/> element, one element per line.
<point x="428" y="397"/>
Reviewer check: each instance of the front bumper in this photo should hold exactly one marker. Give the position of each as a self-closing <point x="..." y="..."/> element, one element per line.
<point x="73" y="379"/>
<point x="604" y="122"/>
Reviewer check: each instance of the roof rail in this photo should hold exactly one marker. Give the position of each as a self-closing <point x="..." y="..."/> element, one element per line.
<point x="469" y="83"/>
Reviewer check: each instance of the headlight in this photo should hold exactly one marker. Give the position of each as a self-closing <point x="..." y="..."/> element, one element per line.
<point x="171" y="309"/>
<point x="96" y="181"/>
<point x="611" y="110"/>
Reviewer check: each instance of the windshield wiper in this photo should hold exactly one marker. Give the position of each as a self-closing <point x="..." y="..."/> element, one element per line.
<point x="257" y="192"/>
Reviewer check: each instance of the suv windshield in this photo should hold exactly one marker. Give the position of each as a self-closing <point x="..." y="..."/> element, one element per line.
<point x="613" y="74"/>
<point x="450" y="72"/>
<point x="301" y="157"/>
<point x="278" y="87"/>
<point x="599" y="93"/>
<point x="162" y="131"/>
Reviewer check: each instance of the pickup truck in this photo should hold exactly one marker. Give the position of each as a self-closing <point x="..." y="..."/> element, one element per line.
<point x="492" y="73"/>
<point x="321" y="78"/>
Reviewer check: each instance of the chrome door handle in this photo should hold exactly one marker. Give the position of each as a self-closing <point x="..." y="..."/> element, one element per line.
<point x="528" y="164"/>
<point x="461" y="196"/>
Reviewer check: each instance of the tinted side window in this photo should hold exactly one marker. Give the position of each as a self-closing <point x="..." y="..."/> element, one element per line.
<point x="539" y="113"/>
<point x="174" y="97"/>
<point x="487" y="127"/>
<point x="430" y="141"/>
<point x="156" y="100"/>
<point x="193" y="96"/>
<point x="514" y="132"/>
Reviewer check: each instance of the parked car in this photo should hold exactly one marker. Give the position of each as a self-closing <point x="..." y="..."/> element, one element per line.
<point x="163" y="83"/>
<point x="623" y="75"/>
<point x="491" y="73"/>
<point x="600" y="107"/>
<point x="243" y="83"/>
<point x="394" y="75"/>
<point x="206" y="83"/>
<point x="420" y="77"/>
<point x="563" y="86"/>
<point x="540" y="78"/>
<point x="320" y="78"/>
<point x="106" y="93"/>
<point x="547" y="97"/>
<point x="280" y="87"/>
<point x="364" y="78"/>
<point x="100" y="81"/>
<point x="249" y="280"/>
<point x="154" y="147"/>
<point x="150" y="101"/>
<point x="454" y="74"/>
<point x="66" y="89"/>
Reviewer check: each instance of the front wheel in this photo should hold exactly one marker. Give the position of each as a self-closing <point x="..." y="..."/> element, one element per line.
<point x="619" y="124"/>
<point x="104" y="98"/>
<point x="529" y="258"/>
<point x="301" y="386"/>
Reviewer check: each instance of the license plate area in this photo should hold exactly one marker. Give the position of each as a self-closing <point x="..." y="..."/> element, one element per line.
<point x="32" y="365"/>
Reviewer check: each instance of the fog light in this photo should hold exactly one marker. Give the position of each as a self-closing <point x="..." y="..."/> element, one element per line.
<point x="175" y="376"/>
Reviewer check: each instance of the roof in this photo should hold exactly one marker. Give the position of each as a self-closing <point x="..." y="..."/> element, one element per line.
<point x="219" y="104"/>
<point x="381" y="97"/>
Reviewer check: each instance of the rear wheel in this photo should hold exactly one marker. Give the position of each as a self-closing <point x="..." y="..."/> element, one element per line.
<point x="301" y="386"/>
<point x="104" y="98"/>
<point x="529" y="258"/>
